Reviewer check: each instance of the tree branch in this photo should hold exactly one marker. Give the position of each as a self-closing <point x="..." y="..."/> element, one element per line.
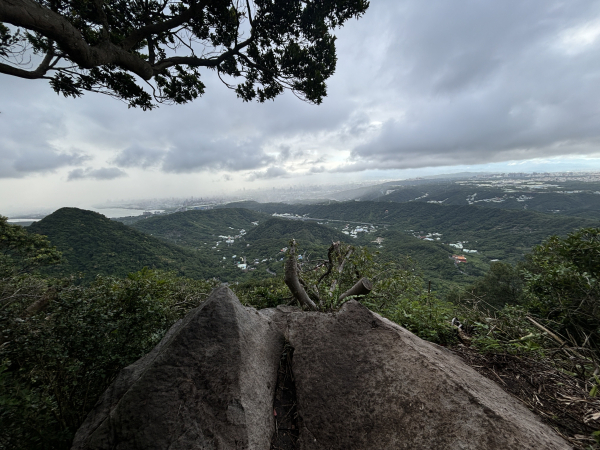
<point x="140" y="34"/>
<point x="35" y="17"/>
<point x="362" y="287"/>
<point x="249" y="13"/>
<point x="194" y="61"/>
<point x="29" y="74"/>
<point x="292" y="281"/>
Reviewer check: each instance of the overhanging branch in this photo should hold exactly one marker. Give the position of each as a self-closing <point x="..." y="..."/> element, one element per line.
<point x="29" y="74"/>
<point x="35" y="17"/>
<point x="194" y="61"/>
<point x="140" y="34"/>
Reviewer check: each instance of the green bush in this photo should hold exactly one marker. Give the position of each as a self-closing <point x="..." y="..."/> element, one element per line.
<point x="56" y="363"/>
<point x="501" y="285"/>
<point x="562" y="287"/>
<point x="426" y="316"/>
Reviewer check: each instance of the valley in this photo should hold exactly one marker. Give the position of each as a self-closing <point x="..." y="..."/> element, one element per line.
<point x="452" y="244"/>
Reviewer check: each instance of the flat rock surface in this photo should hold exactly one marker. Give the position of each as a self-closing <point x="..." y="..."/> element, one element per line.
<point x="363" y="382"/>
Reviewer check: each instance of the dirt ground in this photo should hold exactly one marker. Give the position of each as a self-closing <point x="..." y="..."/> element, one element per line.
<point x="561" y="400"/>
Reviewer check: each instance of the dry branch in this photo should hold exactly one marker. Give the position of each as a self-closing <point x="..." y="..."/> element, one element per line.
<point x="362" y="287"/>
<point x="293" y="282"/>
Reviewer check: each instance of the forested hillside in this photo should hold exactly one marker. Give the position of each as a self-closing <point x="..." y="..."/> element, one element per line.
<point x="502" y="234"/>
<point x="267" y="240"/>
<point x="204" y="244"/>
<point x="196" y="228"/>
<point x="95" y="245"/>
<point x="231" y="236"/>
<point x="432" y="233"/>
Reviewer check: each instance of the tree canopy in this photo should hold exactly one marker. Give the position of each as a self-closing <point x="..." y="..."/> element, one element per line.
<point x="148" y="51"/>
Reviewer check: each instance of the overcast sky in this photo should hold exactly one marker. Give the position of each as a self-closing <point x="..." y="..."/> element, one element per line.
<point x="420" y="88"/>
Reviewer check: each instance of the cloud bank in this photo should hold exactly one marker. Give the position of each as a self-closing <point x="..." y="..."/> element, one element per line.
<point x="418" y="85"/>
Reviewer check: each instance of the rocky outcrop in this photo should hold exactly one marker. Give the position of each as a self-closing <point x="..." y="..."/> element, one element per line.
<point x="209" y="384"/>
<point x="348" y="380"/>
<point x="363" y="382"/>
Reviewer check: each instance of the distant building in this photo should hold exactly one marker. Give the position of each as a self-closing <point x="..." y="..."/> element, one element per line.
<point x="459" y="258"/>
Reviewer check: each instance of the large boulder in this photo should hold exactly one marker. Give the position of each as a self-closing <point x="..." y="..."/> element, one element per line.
<point x="349" y="380"/>
<point x="363" y="382"/>
<point x="209" y="384"/>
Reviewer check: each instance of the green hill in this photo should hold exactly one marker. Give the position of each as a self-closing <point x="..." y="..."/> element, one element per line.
<point x="261" y="245"/>
<point x="304" y="231"/>
<point x="93" y="244"/>
<point x="501" y="234"/>
<point x="269" y="238"/>
<point x="197" y="228"/>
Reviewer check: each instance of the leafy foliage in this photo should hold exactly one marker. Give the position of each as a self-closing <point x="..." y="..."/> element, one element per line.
<point x="108" y="46"/>
<point x="501" y="285"/>
<point x="563" y="287"/>
<point x="55" y="364"/>
<point x="21" y="252"/>
<point x="263" y="293"/>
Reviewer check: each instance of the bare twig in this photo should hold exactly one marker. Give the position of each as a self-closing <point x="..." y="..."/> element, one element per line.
<point x="555" y="337"/>
<point x="340" y="269"/>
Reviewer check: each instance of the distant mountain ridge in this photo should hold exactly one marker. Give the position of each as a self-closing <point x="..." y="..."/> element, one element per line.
<point x="570" y="198"/>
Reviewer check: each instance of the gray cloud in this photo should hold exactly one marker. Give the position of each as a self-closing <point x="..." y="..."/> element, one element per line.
<point x="28" y="146"/>
<point x="222" y="154"/>
<point x="270" y="173"/>
<point x="138" y="156"/>
<point x="104" y="173"/>
<point x="478" y="82"/>
<point x="23" y="162"/>
<point x="40" y="161"/>
<point x="417" y="85"/>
